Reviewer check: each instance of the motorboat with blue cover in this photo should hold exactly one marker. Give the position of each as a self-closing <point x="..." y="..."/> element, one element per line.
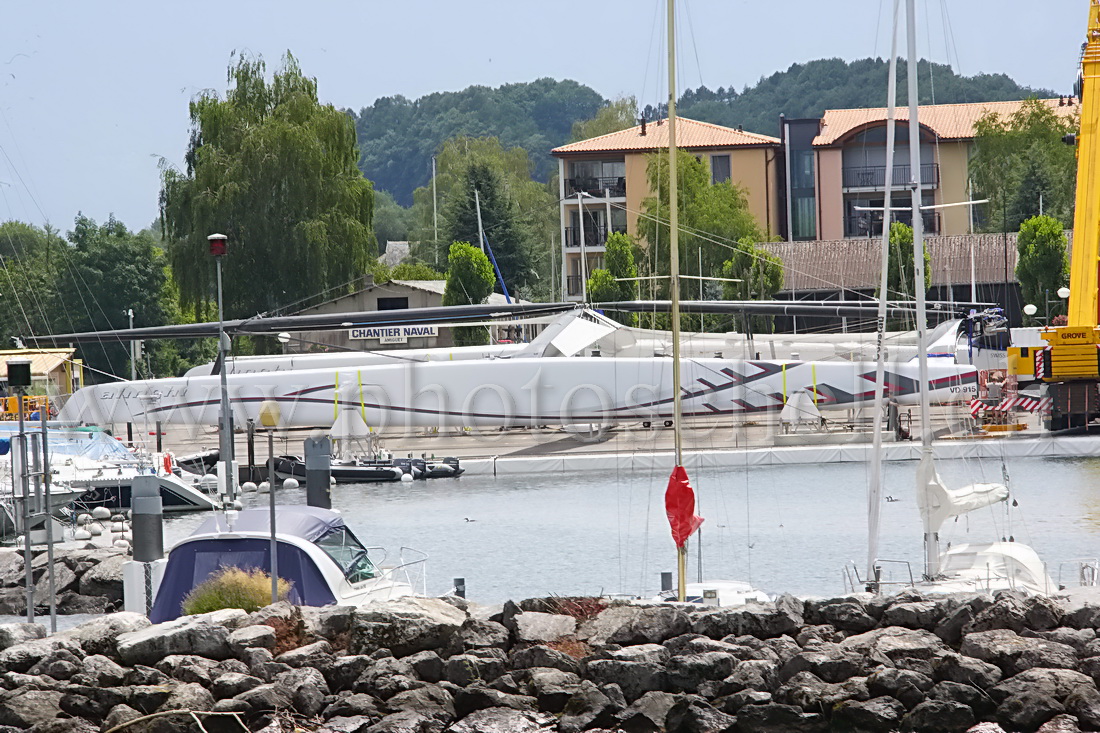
<point x="318" y="554"/>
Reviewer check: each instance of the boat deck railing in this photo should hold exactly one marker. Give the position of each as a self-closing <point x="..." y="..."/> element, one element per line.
<point x="412" y="567"/>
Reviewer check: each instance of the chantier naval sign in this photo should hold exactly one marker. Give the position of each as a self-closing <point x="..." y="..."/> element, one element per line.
<point x="393" y="334"/>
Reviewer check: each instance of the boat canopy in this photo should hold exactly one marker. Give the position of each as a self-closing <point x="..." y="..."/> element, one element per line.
<point x="308" y="522"/>
<point x="193" y="562"/>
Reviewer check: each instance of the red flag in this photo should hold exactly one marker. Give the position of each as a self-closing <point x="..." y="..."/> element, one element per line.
<point x="680" y="506"/>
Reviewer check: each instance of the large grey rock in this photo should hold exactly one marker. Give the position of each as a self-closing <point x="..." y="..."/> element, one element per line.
<point x="763" y="621"/>
<point x="631" y="625"/>
<point x="189" y="696"/>
<point x="502" y="720"/>
<point x="752" y="674"/>
<point x="848" y="616"/>
<point x="552" y="688"/>
<point x="11" y="567"/>
<point x="966" y="670"/>
<point x="63" y="579"/>
<point x="251" y="637"/>
<point x="634" y="678"/>
<point x="538" y="628"/>
<point x="1014" y="653"/>
<point x="478" y="633"/>
<point x="431" y="700"/>
<point x="1027" y="711"/>
<point x="652" y="653"/>
<point x="914" y="615"/>
<point x="543" y="656"/>
<point x="231" y="684"/>
<point x="344" y="671"/>
<point x="102" y="671"/>
<point x="328" y="622"/>
<point x="185" y="635"/>
<point x="686" y="672"/>
<point x="895" y="646"/>
<point x="937" y="716"/>
<point x="404" y="626"/>
<point x="478" y="697"/>
<point x="1085" y="704"/>
<point x="305" y="687"/>
<point x="466" y="669"/>
<point x="263" y="698"/>
<point x="779" y="718"/>
<point x="1053" y="683"/>
<point x="693" y="715"/>
<point x="877" y="715"/>
<point x="588" y="707"/>
<point x="100" y="635"/>
<point x="973" y="697"/>
<point x="346" y="724"/>
<point x="24" y="708"/>
<point x="17" y="633"/>
<point x="105" y="579"/>
<point x="21" y="657"/>
<point x="813" y="695"/>
<point x="317" y="654"/>
<point x="118" y="715"/>
<point x="828" y="661"/>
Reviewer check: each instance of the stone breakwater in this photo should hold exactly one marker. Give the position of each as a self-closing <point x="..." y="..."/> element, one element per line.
<point x="85" y="581"/>
<point x="426" y="665"/>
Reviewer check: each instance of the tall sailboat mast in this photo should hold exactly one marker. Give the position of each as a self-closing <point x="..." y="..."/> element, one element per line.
<point x="674" y="280"/>
<point x="874" y="491"/>
<point x="926" y="471"/>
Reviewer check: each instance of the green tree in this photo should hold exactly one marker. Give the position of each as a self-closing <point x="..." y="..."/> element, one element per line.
<point x="415" y="271"/>
<point x="498" y="219"/>
<point x="900" y="276"/>
<point x="713" y="219"/>
<point x="470" y="280"/>
<point x="620" y="114"/>
<point x="1019" y="159"/>
<point x="276" y="171"/>
<point x="614" y="283"/>
<point x="391" y="220"/>
<point x="1043" y="264"/>
<point x="105" y="271"/>
<point x="534" y="215"/>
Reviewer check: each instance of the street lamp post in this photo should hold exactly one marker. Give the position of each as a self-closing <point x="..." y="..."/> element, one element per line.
<point x="133" y="351"/>
<point x="218" y="248"/>
<point x="269" y="418"/>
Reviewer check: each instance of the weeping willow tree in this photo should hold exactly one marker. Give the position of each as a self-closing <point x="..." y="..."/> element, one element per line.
<point x="275" y="170"/>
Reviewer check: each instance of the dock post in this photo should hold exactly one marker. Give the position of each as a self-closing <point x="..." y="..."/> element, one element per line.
<point x="318" y="453"/>
<point x="460" y="587"/>
<point x="666" y="581"/>
<point x="142" y="575"/>
<point x="251" y="434"/>
<point x="160" y="437"/>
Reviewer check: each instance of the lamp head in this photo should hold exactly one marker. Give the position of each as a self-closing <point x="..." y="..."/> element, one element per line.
<point x="1030" y="309"/>
<point x="219" y="244"/>
<point x="1063" y="292"/>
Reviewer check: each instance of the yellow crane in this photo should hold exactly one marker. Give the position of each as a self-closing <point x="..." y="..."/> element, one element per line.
<point x="1070" y="362"/>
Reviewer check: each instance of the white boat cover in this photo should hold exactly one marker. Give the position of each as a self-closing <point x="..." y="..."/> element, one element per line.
<point x="937" y="503"/>
<point x="800" y="410"/>
<point x="991" y="567"/>
<point x="579" y="334"/>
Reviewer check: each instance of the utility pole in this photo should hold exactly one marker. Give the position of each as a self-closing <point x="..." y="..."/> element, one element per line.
<point x="480" y="228"/>
<point x="133" y="348"/>
<point x="435" y="214"/>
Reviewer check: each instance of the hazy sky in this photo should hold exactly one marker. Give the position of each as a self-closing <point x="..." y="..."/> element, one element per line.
<point x="93" y="94"/>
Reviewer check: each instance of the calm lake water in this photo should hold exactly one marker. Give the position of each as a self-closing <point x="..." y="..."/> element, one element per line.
<point x="783" y="528"/>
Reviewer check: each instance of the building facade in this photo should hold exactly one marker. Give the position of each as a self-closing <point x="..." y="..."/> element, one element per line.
<point x="603" y="182"/>
<point x="836" y="169"/>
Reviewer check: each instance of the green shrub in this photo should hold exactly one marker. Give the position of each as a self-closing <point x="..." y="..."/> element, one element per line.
<point x="233" y="588"/>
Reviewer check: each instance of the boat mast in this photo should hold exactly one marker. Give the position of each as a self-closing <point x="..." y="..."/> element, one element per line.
<point x="874" y="491"/>
<point x="931" y="537"/>
<point x="674" y="278"/>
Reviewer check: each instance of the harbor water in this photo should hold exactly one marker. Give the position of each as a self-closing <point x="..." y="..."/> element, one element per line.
<point x="784" y="528"/>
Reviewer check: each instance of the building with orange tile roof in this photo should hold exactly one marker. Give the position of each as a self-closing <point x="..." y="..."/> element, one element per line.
<point x="604" y="179"/>
<point x="847" y="161"/>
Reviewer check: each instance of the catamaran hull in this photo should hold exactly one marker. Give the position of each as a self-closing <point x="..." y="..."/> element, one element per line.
<point x="512" y="392"/>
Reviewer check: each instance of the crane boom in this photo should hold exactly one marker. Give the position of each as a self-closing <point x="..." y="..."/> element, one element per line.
<point x="1085" y="268"/>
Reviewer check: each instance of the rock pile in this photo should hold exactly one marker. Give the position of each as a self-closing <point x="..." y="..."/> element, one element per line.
<point x="86" y="581"/>
<point x="423" y="665"/>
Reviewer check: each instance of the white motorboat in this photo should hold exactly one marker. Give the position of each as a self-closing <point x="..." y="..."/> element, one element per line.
<point x="318" y="554"/>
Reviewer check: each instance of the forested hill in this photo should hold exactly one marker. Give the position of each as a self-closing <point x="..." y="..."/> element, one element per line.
<point x="398" y="136"/>
<point x="807" y="90"/>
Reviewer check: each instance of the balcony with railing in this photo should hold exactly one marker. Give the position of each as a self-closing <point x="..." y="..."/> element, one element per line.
<point x="597" y="187"/>
<point x="873" y="177"/>
<point x="594" y="236"/>
<point x="869" y="224"/>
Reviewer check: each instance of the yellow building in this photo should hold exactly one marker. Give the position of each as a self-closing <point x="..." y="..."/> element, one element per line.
<point x="603" y="183"/>
<point x="838" y="178"/>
